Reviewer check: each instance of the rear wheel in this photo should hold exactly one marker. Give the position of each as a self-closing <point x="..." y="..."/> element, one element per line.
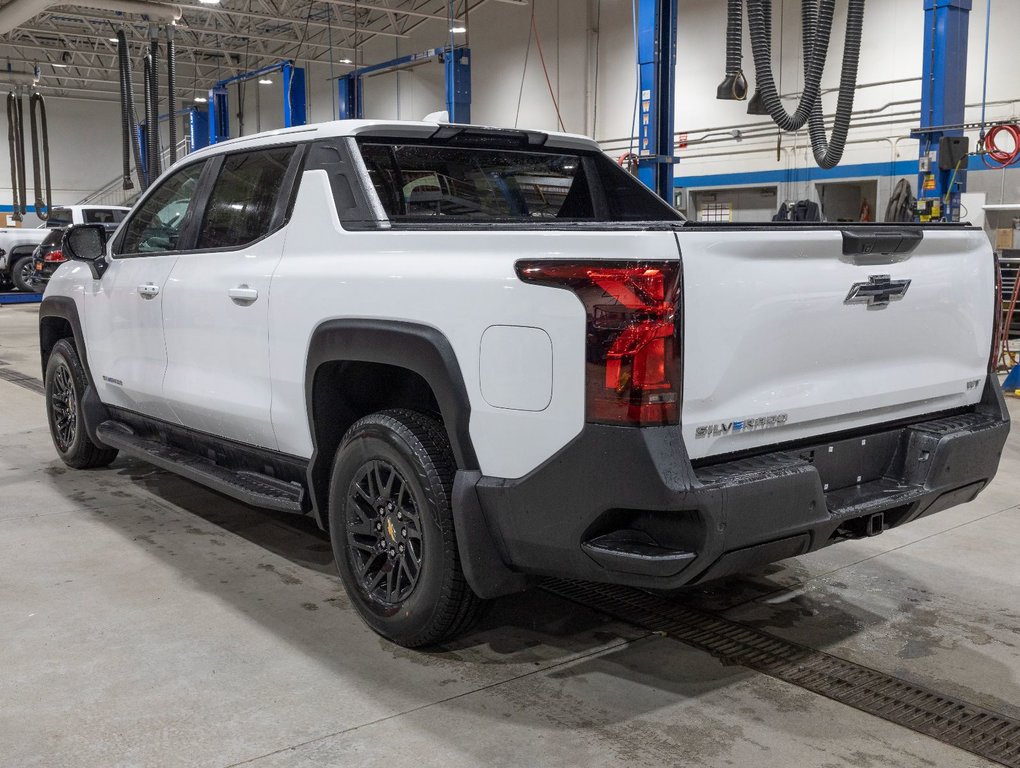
<point x="391" y="526"/>
<point x="21" y="274"/>
<point x="65" y="387"/>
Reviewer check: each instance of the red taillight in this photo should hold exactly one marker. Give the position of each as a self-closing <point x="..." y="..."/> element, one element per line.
<point x="633" y="354"/>
<point x="54" y="256"/>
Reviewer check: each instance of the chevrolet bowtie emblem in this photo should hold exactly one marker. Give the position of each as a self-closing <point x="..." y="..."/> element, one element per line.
<point x="878" y="291"/>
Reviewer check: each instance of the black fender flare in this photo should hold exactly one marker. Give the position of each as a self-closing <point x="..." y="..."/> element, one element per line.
<point x="418" y="348"/>
<point x="93" y="411"/>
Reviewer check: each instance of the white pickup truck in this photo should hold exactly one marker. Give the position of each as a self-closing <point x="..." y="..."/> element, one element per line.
<point x="18" y="243"/>
<point x="481" y="356"/>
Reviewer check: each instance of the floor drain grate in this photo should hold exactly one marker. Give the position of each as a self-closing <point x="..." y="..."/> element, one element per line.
<point x="956" y="722"/>
<point x="22" y="380"/>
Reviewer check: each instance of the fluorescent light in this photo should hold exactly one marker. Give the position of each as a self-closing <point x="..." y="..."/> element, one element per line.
<point x="201" y="99"/>
<point x="458" y="30"/>
<point x="112" y="39"/>
<point x="59" y="66"/>
<point x="346" y="61"/>
<point x="209" y="2"/>
<point x="265" y="81"/>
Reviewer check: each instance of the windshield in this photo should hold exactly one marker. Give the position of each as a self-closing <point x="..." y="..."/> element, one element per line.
<point x="429" y="182"/>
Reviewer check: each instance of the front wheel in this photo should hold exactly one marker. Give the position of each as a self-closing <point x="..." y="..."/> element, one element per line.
<point x="391" y="526"/>
<point x="65" y="387"/>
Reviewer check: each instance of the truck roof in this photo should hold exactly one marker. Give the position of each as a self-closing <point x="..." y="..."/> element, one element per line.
<point x="410" y="129"/>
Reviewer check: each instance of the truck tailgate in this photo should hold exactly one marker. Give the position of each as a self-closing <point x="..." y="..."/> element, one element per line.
<point x="774" y="351"/>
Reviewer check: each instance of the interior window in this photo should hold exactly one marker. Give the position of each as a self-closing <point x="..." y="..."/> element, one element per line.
<point x="243" y="200"/>
<point x="156" y="227"/>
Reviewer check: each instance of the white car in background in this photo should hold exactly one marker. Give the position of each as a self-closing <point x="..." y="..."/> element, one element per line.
<point x="18" y="243"/>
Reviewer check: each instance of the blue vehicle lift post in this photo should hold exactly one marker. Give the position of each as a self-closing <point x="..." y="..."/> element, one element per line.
<point x="456" y="68"/>
<point x="294" y="107"/>
<point x="657" y="20"/>
<point x="943" y="98"/>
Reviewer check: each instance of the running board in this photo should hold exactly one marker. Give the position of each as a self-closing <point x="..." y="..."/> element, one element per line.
<point x="252" y="488"/>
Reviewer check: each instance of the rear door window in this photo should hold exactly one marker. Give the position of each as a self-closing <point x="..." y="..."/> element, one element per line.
<point x="242" y="207"/>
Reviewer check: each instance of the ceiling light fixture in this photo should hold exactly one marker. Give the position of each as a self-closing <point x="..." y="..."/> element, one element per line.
<point x="112" y="39"/>
<point x="201" y="99"/>
<point x="209" y="2"/>
<point x="265" y="81"/>
<point x="458" y="30"/>
<point x="346" y="61"/>
<point x="58" y="66"/>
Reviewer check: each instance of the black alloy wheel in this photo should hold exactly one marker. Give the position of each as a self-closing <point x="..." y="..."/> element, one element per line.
<point x="384" y="533"/>
<point x="65" y="408"/>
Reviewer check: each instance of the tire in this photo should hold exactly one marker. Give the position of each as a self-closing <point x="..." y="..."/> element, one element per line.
<point x="391" y="526"/>
<point x="21" y="274"/>
<point x="65" y="387"/>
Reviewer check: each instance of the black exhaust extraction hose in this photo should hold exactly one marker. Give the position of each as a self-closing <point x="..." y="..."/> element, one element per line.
<point x="12" y="143"/>
<point x="171" y="84"/>
<point x="756" y="106"/>
<point x="126" y="122"/>
<point x="39" y="126"/>
<point x="828" y="152"/>
<point x="22" y="180"/>
<point x="148" y="117"/>
<point x="734" y="85"/>
<point x="817" y="21"/>
<point x="126" y="78"/>
<point x="154" y="148"/>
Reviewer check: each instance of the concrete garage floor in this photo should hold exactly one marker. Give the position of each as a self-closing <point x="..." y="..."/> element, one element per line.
<point x="145" y="621"/>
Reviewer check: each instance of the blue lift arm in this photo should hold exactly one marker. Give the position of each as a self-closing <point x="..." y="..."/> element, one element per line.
<point x="943" y="100"/>
<point x="456" y="68"/>
<point x="294" y="107"/>
<point x="657" y="21"/>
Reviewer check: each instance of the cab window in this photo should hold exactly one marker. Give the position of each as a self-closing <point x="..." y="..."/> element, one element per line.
<point x="157" y="225"/>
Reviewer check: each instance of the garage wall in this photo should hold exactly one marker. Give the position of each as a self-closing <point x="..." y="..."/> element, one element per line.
<point x="588" y="50"/>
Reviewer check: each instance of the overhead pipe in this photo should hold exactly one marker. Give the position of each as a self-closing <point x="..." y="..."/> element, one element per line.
<point x="17" y="12"/>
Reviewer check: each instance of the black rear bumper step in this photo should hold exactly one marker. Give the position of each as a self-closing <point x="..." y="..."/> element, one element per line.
<point x="251" y="488"/>
<point x="632" y="551"/>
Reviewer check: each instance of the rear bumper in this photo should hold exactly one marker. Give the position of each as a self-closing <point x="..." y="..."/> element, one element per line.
<point x="627" y="506"/>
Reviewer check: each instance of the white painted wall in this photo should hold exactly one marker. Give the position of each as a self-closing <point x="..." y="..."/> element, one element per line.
<point x="596" y="92"/>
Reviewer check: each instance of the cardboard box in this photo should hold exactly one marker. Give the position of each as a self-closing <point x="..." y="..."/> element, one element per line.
<point x="1005" y="239"/>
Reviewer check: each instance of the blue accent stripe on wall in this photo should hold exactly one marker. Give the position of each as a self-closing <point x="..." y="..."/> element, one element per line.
<point x="906" y="168"/>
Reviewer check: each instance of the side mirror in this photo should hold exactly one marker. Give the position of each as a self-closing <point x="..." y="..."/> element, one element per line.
<point x="86" y="242"/>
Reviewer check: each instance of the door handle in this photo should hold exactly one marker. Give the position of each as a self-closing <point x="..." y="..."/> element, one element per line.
<point x="243" y="295"/>
<point x="148" y="290"/>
